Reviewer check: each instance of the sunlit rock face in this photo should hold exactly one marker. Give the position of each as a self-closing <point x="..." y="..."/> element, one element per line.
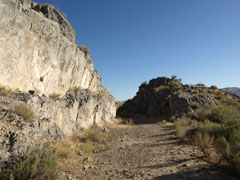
<point x="38" y="51"/>
<point x="43" y="69"/>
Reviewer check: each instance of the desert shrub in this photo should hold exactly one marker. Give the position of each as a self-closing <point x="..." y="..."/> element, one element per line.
<point x="205" y="142"/>
<point x="175" y="83"/>
<point x="220" y="114"/>
<point x="35" y="165"/>
<point x="183" y="121"/>
<point x="214" y="87"/>
<point x="86" y="147"/>
<point x="25" y="111"/>
<point x="160" y="88"/>
<point x="84" y="49"/>
<point x="182" y="125"/>
<point x="222" y="147"/>
<point x="65" y="149"/>
<point x="234" y="141"/>
<point x="195" y="105"/>
<point x="211" y="128"/>
<point x="232" y="124"/>
<point x="236" y="162"/>
<point x="181" y="131"/>
<point x="95" y="136"/>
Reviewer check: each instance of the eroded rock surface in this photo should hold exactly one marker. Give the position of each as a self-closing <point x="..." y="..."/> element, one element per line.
<point x="38" y="51"/>
<point x="52" y="118"/>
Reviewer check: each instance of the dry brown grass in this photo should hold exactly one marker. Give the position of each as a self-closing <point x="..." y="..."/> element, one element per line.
<point x="77" y="151"/>
<point x="25" y="111"/>
<point x="55" y="96"/>
<point x="4" y="91"/>
<point x="195" y="105"/>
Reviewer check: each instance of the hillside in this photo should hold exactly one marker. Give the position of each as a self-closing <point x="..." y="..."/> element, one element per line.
<point x="234" y="90"/>
<point x="167" y="98"/>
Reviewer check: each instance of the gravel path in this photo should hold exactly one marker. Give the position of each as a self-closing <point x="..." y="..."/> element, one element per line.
<point x="152" y="152"/>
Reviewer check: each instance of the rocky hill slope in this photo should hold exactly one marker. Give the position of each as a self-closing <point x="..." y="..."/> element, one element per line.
<point x="165" y="98"/>
<point x="48" y="86"/>
<point x="234" y="90"/>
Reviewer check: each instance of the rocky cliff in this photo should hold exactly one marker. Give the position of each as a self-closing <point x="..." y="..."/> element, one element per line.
<point x="38" y="51"/>
<point x="165" y="98"/>
<point x="48" y="86"/>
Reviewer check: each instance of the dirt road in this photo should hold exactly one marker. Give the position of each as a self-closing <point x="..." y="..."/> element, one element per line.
<point x="152" y="152"/>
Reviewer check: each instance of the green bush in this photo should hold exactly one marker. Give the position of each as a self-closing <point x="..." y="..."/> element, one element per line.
<point x="95" y="136"/>
<point x="212" y="129"/>
<point x="236" y="162"/>
<point x="205" y="142"/>
<point x="36" y="165"/>
<point x="85" y="147"/>
<point x="222" y="147"/>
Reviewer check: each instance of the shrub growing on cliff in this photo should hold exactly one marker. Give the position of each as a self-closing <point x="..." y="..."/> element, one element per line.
<point x="84" y="49"/>
<point x="214" y="87"/>
<point x="25" y="111"/>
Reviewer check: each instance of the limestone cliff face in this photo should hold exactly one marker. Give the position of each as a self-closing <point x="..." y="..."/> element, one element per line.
<point x="38" y="51"/>
<point x="43" y="69"/>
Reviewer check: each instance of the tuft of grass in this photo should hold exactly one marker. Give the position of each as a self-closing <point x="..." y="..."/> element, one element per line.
<point x="95" y="136"/>
<point x="25" y="111"/>
<point x="54" y="96"/>
<point x="65" y="149"/>
<point x="86" y="147"/>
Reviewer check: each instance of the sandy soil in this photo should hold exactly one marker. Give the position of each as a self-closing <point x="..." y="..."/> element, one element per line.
<point x="151" y="152"/>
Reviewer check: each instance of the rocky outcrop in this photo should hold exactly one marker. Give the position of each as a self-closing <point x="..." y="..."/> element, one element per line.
<point x="38" y="51"/>
<point x="48" y="86"/>
<point x="51" y="118"/>
<point x="166" y="98"/>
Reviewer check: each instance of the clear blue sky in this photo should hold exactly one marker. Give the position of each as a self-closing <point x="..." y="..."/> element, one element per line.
<point x="133" y="41"/>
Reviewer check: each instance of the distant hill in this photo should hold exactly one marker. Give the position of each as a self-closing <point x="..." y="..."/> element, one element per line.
<point x="234" y="90"/>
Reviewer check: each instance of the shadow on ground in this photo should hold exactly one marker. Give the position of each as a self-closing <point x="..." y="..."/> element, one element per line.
<point x="201" y="173"/>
